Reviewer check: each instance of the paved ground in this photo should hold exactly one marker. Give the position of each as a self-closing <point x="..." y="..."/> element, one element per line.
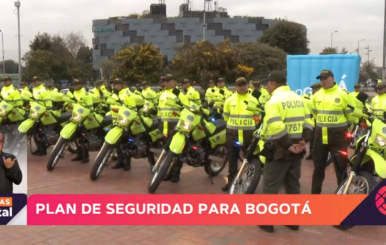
<point x="71" y="177"/>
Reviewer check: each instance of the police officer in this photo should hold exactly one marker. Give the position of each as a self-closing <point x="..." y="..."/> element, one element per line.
<point x="121" y="95"/>
<point x="9" y="93"/>
<point x="332" y="109"/>
<point x="288" y="129"/>
<point x="222" y="93"/>
<point x="169" y="119"/>
<point x="50" y="87"/>
<point x="240" y="124"/>
<point x="138" y="89"/>
<point x="84" y="99"/>
<point x="378" y="103"/>
<point x="43" y="97"/>
<point x="307" y="98"/>
<point x="192" y="94"/>
<point x="148" y="93"/>
<point x="256" y="90"/>
<point x="97" y="91"/>
<point x="357" y="89"/>
<point x="264" y="93"/>
<point x="209" y="94"/>
<point x="25" y="91"/>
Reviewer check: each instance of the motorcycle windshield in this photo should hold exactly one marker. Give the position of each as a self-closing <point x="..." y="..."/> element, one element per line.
<point x="378" y="134"/>
<point x="126" y="116"/>
<point x="188" y="120"/>
<point x="5" y="108"/>
<point x="79" y="113"/>
<point x="37" y="110"/>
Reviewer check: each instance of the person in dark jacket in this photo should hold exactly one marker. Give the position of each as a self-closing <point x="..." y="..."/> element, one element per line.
<point x="10" y="172"/>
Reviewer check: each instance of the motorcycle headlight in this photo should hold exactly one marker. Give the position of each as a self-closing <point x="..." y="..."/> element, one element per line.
<point x="186" y="125"/>
<point x="77" y="117"/>
<point x="122" y="120"/>
<point x="381" y="141"/>
<point x="2" y="112"/>
<point x="34" y="114"/>
<point x="145" y="109"/>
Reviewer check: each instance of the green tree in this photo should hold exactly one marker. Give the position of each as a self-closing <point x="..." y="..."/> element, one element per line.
<point x="37" y="64"/>
<point x="367" y="71"/>
<point x="288" y="36"/>
<point x="261" y="57"/>
<point x="205" y="61"/>
<point x="138" y="63"/>
<point x="11" y="67"/>
<point x="329" y="50"/>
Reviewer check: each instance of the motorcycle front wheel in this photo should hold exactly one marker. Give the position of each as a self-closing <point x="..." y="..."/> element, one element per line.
<point x="160" y="173"/>
<point x="215" y="167"/>
<point x="101" y="161"/>
<point x="249" y="179"/>
<point x="362" y="183"/>
<point x="58" y="152"/>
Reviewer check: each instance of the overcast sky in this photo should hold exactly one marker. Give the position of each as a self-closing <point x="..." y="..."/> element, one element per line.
<point x="353" y="19"/>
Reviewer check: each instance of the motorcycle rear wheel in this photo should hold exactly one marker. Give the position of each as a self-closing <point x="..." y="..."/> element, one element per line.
<point x="161" y="172"/>
<point x="216" y="169"/>
<point x="370" y="185"/>
<point x="101" y="161"/>
<point x="253" y="172"/>
<point x="57" y="153"/>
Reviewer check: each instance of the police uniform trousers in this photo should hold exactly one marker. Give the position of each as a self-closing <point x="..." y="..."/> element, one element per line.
<point x="177" y="164"/>
<point x="286" y="170"/>
<point x="234" y="150"/>
<point x="337" y="142"/>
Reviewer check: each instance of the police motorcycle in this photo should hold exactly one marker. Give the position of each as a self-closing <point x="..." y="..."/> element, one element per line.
<point x="251" y="170"/>
<point x="10" y="118"/>
<point x="44" y="124"/>
<point x="134" y="133"/>
<point x="84" y="127"/>
<point x="196" y="141"/>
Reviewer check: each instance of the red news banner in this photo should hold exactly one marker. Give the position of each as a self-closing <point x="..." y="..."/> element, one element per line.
<point x="190" y="209"/>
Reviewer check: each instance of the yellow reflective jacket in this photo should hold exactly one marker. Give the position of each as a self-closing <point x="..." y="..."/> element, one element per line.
<point x="150" y="95"/>
<point x="378" y="105"/>
<point x="209" y="94"/>
<point x="42" y="96"/>
<point x="287" y="120"/>
<point x="193" y="95"/>
<point x="11" y="95"/>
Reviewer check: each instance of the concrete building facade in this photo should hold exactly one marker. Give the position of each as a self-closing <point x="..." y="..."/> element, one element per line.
<point x="166" y="33"/>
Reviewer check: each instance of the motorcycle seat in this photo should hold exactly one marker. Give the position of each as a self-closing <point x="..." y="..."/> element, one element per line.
<point x="154" y="125"/>
<point x="107" y="121"/>
<point x="220" y="126"/>
<point x="65" y="116"/>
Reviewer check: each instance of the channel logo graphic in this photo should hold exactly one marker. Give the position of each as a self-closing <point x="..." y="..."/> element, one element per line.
<point x="11" y="206"/>
<point x="380" y="200"/>
<point x="6" y="207"/>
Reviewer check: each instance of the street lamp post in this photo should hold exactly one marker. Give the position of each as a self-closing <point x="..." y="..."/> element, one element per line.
<point x="2" y="50"/>
<point x="17" y="5"/>
<point x="331" y="36"/>
<point x="358" y="44"/>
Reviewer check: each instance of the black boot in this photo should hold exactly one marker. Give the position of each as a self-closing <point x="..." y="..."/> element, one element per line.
<point x="119" y="164"/>
<point x="175" y="178"/>
<point x="84" y="155"/>
<point x="228" y="185"/>
<point x="176" y="172"/>
<point x="42" y="150"/>
<point x="127" y="164"/>
<point x="36" y="141"/>
<point x="266" y="228"/>
<point x="77" y="158"/>
<point x="293" y="227"/>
